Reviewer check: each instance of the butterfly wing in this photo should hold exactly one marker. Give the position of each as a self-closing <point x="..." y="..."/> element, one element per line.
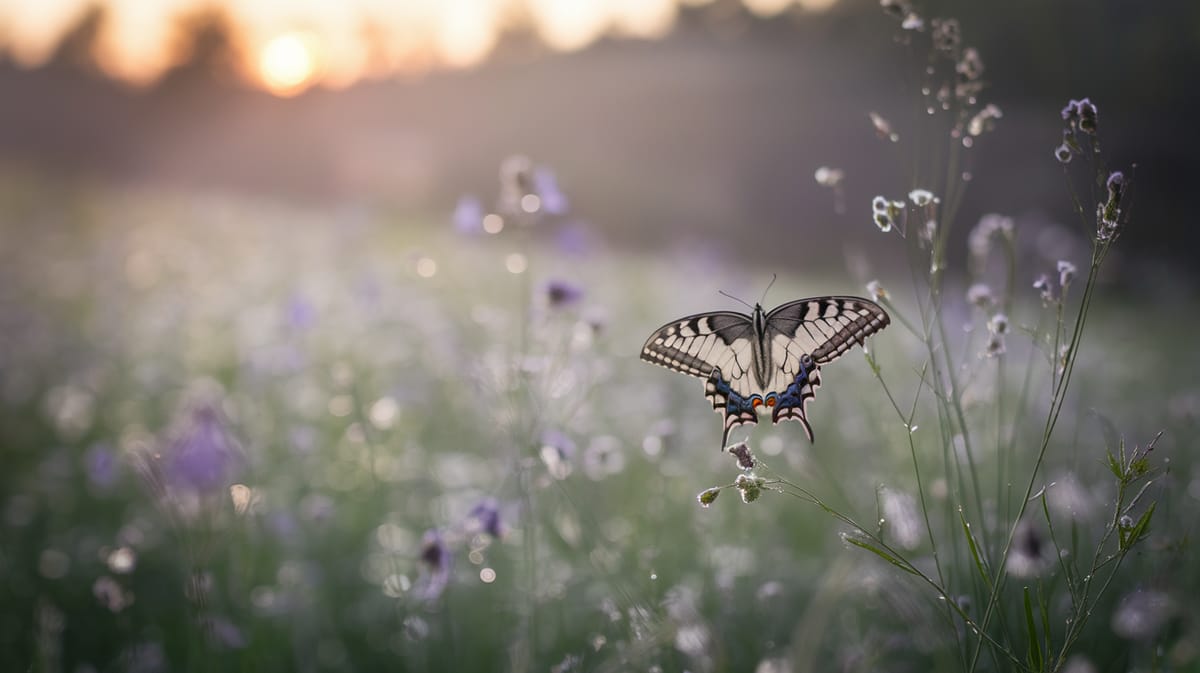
<point x="824" y="327"/>
<point x="805" y="334"/>
<point x="718" y="347"/>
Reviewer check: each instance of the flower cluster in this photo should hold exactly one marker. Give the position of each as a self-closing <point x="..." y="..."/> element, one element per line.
<point x="925" y="201"/>
<point x="528" y="194"/>
<point x="979" y="241"/>
<point x="1080" y="116"/>
<point x="887" y="213"/>
<point x="1108" y="214"/>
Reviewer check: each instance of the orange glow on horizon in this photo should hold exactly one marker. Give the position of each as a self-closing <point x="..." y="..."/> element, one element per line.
<point x="287" y="46"/>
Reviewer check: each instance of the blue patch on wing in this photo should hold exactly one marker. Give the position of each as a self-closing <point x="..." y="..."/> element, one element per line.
<point x="735" y="409"/>
<point x="789" y="405"/>
<point x="735" y="404"/>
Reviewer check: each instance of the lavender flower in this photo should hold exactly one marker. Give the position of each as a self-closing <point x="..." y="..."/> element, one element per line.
<point x="1081" y="114"/>
<point x="301" y="313"/>
<point x="486" y="517"/>
<point x="1042" y="285"/>
<point x="1028" y="557"/>
<point x="545" y="185"/>
<point x="1066" y="273"/>
<point x="979" y="295"/>
<point x="741" y="451"/>
<point x="1109" y="213"/>
<point x="202" y="456"/>
<point x="103" y="468"/>
<point x="562" y="294"/>
<point x="946" y="34"/>
<point x="435" y="560"/>
<point x="998" y="324"/>
<point x="468" y="215"/>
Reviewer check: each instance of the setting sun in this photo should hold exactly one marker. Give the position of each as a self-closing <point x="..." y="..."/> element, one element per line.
<point x="288" y="64"/>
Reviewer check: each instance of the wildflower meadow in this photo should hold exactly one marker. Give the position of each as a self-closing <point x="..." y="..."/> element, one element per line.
<point x="245" y="434"/>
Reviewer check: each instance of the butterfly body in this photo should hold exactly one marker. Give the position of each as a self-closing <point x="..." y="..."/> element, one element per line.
<point x="766" y="359"/>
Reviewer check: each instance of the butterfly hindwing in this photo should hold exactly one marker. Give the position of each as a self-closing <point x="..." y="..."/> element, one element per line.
<point x="735" y="409"/>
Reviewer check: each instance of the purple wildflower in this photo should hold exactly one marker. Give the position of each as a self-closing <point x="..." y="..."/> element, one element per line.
<point x="435" y="558"/>
<point x="545" y="185"/>
<point x="102" y="466"/>
<point x="741" y="451"/>
<point x="574" y="238"/>
<point x="301" y="313"/>
<point x="486" y="516"/>
<point x="562" y="294"/>
<point x="203" y="455"/>
<point x="468" y="215"/>
<point x="1081" y="114"/>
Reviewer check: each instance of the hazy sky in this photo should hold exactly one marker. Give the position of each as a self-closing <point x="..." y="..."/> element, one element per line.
<point x="290" y="44"/>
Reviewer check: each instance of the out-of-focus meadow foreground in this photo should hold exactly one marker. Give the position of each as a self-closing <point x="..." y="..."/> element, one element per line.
<point x="320" y="335"/>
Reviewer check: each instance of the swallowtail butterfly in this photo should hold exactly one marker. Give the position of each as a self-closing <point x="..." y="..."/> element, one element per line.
<point x="767" y="359"/>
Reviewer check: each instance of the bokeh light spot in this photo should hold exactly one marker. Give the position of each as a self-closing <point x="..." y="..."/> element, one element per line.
<point x="516" y="263"/>
<point x="493" y="223"/>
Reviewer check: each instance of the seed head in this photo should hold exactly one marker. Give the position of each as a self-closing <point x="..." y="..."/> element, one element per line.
<point x="1087" y="116"/>
<point x="995" y="346"/>
<point x="970" y="66"/>
<point x="1080" y="114"/>
<point x="1066" y="272"/>
<point x="979" y="295"/>
<point x="829" y="177"/>
<point x="895" y="8"/>
<point x="946" y="34"/>
<point x="1042" y="285"/>
<point x="998" y="324"/>
<point x="708" y="496"/>
<point x="741" y="451"/>
<point x="984" y="120"/>
<point x="1063" y="154"/>
<point x="922" y="197"/>
<point x="749" y="485"/>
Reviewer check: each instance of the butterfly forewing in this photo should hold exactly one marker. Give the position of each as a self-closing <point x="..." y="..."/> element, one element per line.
<point x="697" y="344"/>
<point x="824" y="327"/>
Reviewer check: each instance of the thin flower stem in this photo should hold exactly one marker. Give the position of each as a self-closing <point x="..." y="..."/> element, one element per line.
<point x="1052" y="418"/>
<point x="800" y="492"/>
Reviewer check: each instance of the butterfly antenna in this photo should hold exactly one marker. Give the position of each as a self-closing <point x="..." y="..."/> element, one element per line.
<point x="737" y="299"/>
<point x="774" y="277"/>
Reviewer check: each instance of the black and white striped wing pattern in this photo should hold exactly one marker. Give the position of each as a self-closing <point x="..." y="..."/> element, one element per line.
<point x="697" y="344"/>
<point x="718" y="347"/>
<point x="823" y="327"/>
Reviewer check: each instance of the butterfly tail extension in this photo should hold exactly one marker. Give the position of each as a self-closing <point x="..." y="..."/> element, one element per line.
<point x="792" y="403"/>
<point x="735" y="410"/>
